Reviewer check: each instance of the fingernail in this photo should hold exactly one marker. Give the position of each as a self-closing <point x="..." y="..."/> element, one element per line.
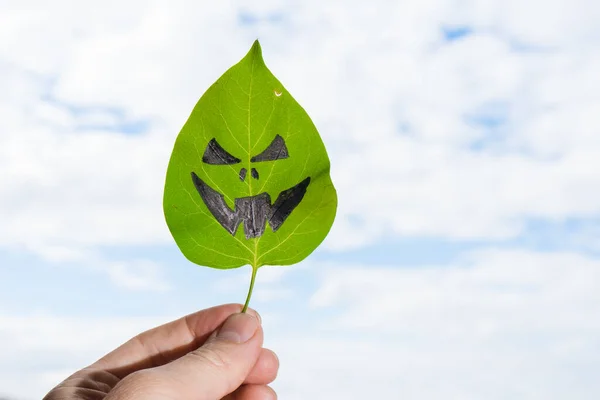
<point x="256" y="314"/>
<point x="238" y="328"/>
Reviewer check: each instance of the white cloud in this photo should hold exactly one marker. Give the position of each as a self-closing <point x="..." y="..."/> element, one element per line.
<point x="486" y="293"/>
<point x="134" y="274"/>
<point x="363" y="72"/>
<point x="137" y="275"/>
<point x="40" y="350"/>
<point x="494" y="324"/>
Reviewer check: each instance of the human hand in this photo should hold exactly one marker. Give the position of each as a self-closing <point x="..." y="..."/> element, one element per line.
<point x="209" y="355"/>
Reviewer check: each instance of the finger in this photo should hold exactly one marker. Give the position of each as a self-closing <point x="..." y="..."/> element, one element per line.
<point x="265" y="370"/>
<point x="167" y="342"/>
<point x="253" y="392"/>
<point x="221" y="365"/>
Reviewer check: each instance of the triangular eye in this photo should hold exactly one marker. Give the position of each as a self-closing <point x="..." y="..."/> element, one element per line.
<point x="277" y="150"/>
<point x="216" y="155"/>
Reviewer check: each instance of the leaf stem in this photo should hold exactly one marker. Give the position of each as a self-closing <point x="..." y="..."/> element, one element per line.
<point x="254" y="269"/>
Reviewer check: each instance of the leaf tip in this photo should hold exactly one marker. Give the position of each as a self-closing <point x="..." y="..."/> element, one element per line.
<point x="255" y="52"/>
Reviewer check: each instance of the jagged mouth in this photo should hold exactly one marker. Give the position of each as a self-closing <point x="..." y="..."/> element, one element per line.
<point x="254" y="211"/>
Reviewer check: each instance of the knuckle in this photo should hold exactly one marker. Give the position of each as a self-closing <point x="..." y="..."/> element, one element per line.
<point x="214" y="357"/>
<point x="219" y="365"/>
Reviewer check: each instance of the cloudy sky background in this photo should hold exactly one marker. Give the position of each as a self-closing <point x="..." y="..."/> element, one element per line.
<point x="464" y="135"/>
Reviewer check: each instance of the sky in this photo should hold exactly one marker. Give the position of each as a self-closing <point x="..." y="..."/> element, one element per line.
<point x="464" y="138"/>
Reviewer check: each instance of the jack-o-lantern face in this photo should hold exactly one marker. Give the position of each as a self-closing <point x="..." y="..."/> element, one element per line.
<point x="253" y="211"/>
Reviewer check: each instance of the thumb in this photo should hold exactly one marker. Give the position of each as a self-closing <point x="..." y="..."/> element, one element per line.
<point x="221" y="364"/>
<point x="210" y="372"/>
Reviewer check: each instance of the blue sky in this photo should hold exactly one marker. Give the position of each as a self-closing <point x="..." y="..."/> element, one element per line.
<point x="472" y="125"/>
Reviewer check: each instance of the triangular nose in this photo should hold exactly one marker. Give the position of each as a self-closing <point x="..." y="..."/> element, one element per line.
<point x="243" y="174"/>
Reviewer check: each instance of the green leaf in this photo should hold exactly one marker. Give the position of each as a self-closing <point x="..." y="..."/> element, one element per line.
<point x="248" y="181"/>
